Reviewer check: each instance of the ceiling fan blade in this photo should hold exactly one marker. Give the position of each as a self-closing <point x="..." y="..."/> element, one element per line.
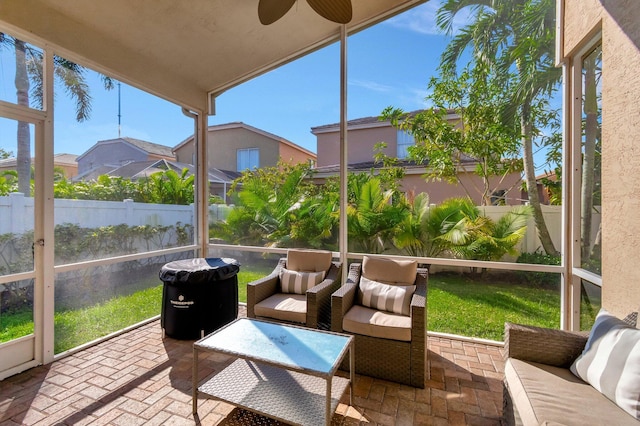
<point x="339" y="11"/>
<point x="269" y="11"/>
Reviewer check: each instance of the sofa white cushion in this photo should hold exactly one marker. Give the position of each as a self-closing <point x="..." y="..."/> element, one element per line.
<point x="299" y="282"/>
<point x="610" y="361"/>
<point x="547" y="395"/>
<point x="386" y="297"/>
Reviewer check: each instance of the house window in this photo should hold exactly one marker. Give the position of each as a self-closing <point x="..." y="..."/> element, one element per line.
<point x="499" y="197"/>
<point x="248" y="159"/>
<point x="405" y="140"/>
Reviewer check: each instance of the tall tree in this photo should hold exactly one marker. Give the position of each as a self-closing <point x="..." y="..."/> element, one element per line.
<point x="29" y="90"/>
<point x="590" y="191"/>
<point x="511" y="36"/>
<point x="478" y="139"/>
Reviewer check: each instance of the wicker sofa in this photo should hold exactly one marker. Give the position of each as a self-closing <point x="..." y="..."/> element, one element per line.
<point x="540" y="389"/>
<point x="401" y="361"/>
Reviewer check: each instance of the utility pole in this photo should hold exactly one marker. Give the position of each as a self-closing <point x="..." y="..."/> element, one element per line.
<point x="119" y="115"/>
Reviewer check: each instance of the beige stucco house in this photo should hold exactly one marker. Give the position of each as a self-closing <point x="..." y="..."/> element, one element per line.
<point x="613" y="27"/>
<point x="109" y="154"/>
<point x="66" y="163"/>
<point x="238" y="146"/>
<point x="364" y="133"/>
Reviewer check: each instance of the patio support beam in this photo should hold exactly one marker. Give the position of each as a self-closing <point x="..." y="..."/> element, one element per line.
<point x="344" y="160"/>
<point x="201" y="186"/>
<point x="44" y="304"/>
<point x="567" y="278"/>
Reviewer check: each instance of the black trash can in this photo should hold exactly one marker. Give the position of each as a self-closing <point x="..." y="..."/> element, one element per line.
<point x="199" y="296"/>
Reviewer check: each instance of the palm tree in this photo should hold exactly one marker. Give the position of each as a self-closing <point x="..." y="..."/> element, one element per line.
<point x="29" y="88"/>
<point x="411" y="235"/>
<point x="591" y="137"/>
<point x="372" y="213"/>
<point x="448" y="224"/>
<point x="508" y="36"/>
<point x="169" y="187"/>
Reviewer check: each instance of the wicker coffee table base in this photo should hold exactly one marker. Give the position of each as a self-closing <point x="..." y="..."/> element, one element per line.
<point x="281" y="394"/>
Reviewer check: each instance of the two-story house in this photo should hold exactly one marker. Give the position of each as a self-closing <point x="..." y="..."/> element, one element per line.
<point x="364" y="133"/>
<point x="238" y="146"/>
<point x="107" y="155"/>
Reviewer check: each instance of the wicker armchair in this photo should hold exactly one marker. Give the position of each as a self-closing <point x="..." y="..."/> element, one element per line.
<point x="266" y="300"/>
<point x="402" y="361"/>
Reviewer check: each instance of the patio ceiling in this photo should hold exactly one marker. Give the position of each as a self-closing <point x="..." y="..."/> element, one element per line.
<point x="182" y="50"/>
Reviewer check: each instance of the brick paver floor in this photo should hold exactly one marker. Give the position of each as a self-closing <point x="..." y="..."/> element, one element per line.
<point x="139" y="378"/>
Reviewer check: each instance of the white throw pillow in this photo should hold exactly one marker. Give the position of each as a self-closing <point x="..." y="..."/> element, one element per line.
<point x="386" y="297"/>
<point x="610" y="362"/>
<point x="299" y="282"/>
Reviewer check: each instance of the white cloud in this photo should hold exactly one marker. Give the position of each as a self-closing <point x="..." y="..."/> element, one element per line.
<point x="371" y="85"/>
<point x="422" y="19"/>
<point x="413" y="98"/>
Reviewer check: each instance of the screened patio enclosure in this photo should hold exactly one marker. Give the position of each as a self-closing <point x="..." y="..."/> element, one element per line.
<point x="189" y="56"/>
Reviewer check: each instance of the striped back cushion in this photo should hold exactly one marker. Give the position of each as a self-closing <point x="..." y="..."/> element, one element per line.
<point x="610" y="362"/>
<point x="385" y="297"/>
<point x="299" y="282"/>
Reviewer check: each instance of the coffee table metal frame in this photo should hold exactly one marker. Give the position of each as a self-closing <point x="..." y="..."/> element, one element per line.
<point x="283" y="381"/>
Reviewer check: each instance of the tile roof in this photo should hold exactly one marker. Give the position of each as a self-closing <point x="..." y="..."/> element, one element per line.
<point x="140" y="169"/>
<point x="150" y="147"/>
<point x="365" y="120"/>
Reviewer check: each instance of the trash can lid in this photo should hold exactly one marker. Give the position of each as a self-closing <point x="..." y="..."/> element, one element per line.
<point x="199" y="270"/>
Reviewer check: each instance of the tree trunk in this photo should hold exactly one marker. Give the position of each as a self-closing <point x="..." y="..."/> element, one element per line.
<point x="23" y="156"/>
<point x="530" y="179"/>
<point x="589" y="157"/>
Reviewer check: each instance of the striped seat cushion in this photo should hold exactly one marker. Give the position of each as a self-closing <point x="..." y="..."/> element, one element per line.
<point x="386" y="297"/>
<point x="299" y="282"/>
<point x="610" y="362"/>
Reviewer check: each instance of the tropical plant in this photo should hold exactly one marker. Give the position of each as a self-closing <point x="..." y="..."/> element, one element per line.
<point x="29" y="81"/>
<point x="485" y="239"/>
<point x="269" y="201"/>
<point x="372" y="213"/>
<point x="446" y="224"/>
<point x="8" y="182"/>
<point x="167" y="187"/>
<point x="316" y="221"/>
<point x="458" y="228"/>
<point x="411" y="234"/>
<point x="511" y="36"/>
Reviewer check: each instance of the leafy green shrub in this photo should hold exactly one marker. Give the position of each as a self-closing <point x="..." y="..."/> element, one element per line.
<point x="539" y="279"/>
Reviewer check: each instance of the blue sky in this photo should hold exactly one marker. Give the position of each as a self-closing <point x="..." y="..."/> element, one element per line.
<point x="389" y="64"/>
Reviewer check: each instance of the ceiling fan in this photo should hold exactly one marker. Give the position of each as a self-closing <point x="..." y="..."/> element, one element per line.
<point x="339" y="11"/>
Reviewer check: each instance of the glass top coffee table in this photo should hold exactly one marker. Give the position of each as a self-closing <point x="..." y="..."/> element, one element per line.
<point x="283" y="371"/>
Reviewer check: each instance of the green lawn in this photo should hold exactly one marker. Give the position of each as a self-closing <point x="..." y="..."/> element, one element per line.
<point x="455" y="304"/>
<point x="459" y="305"/>
<point x="76" y="327"/>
